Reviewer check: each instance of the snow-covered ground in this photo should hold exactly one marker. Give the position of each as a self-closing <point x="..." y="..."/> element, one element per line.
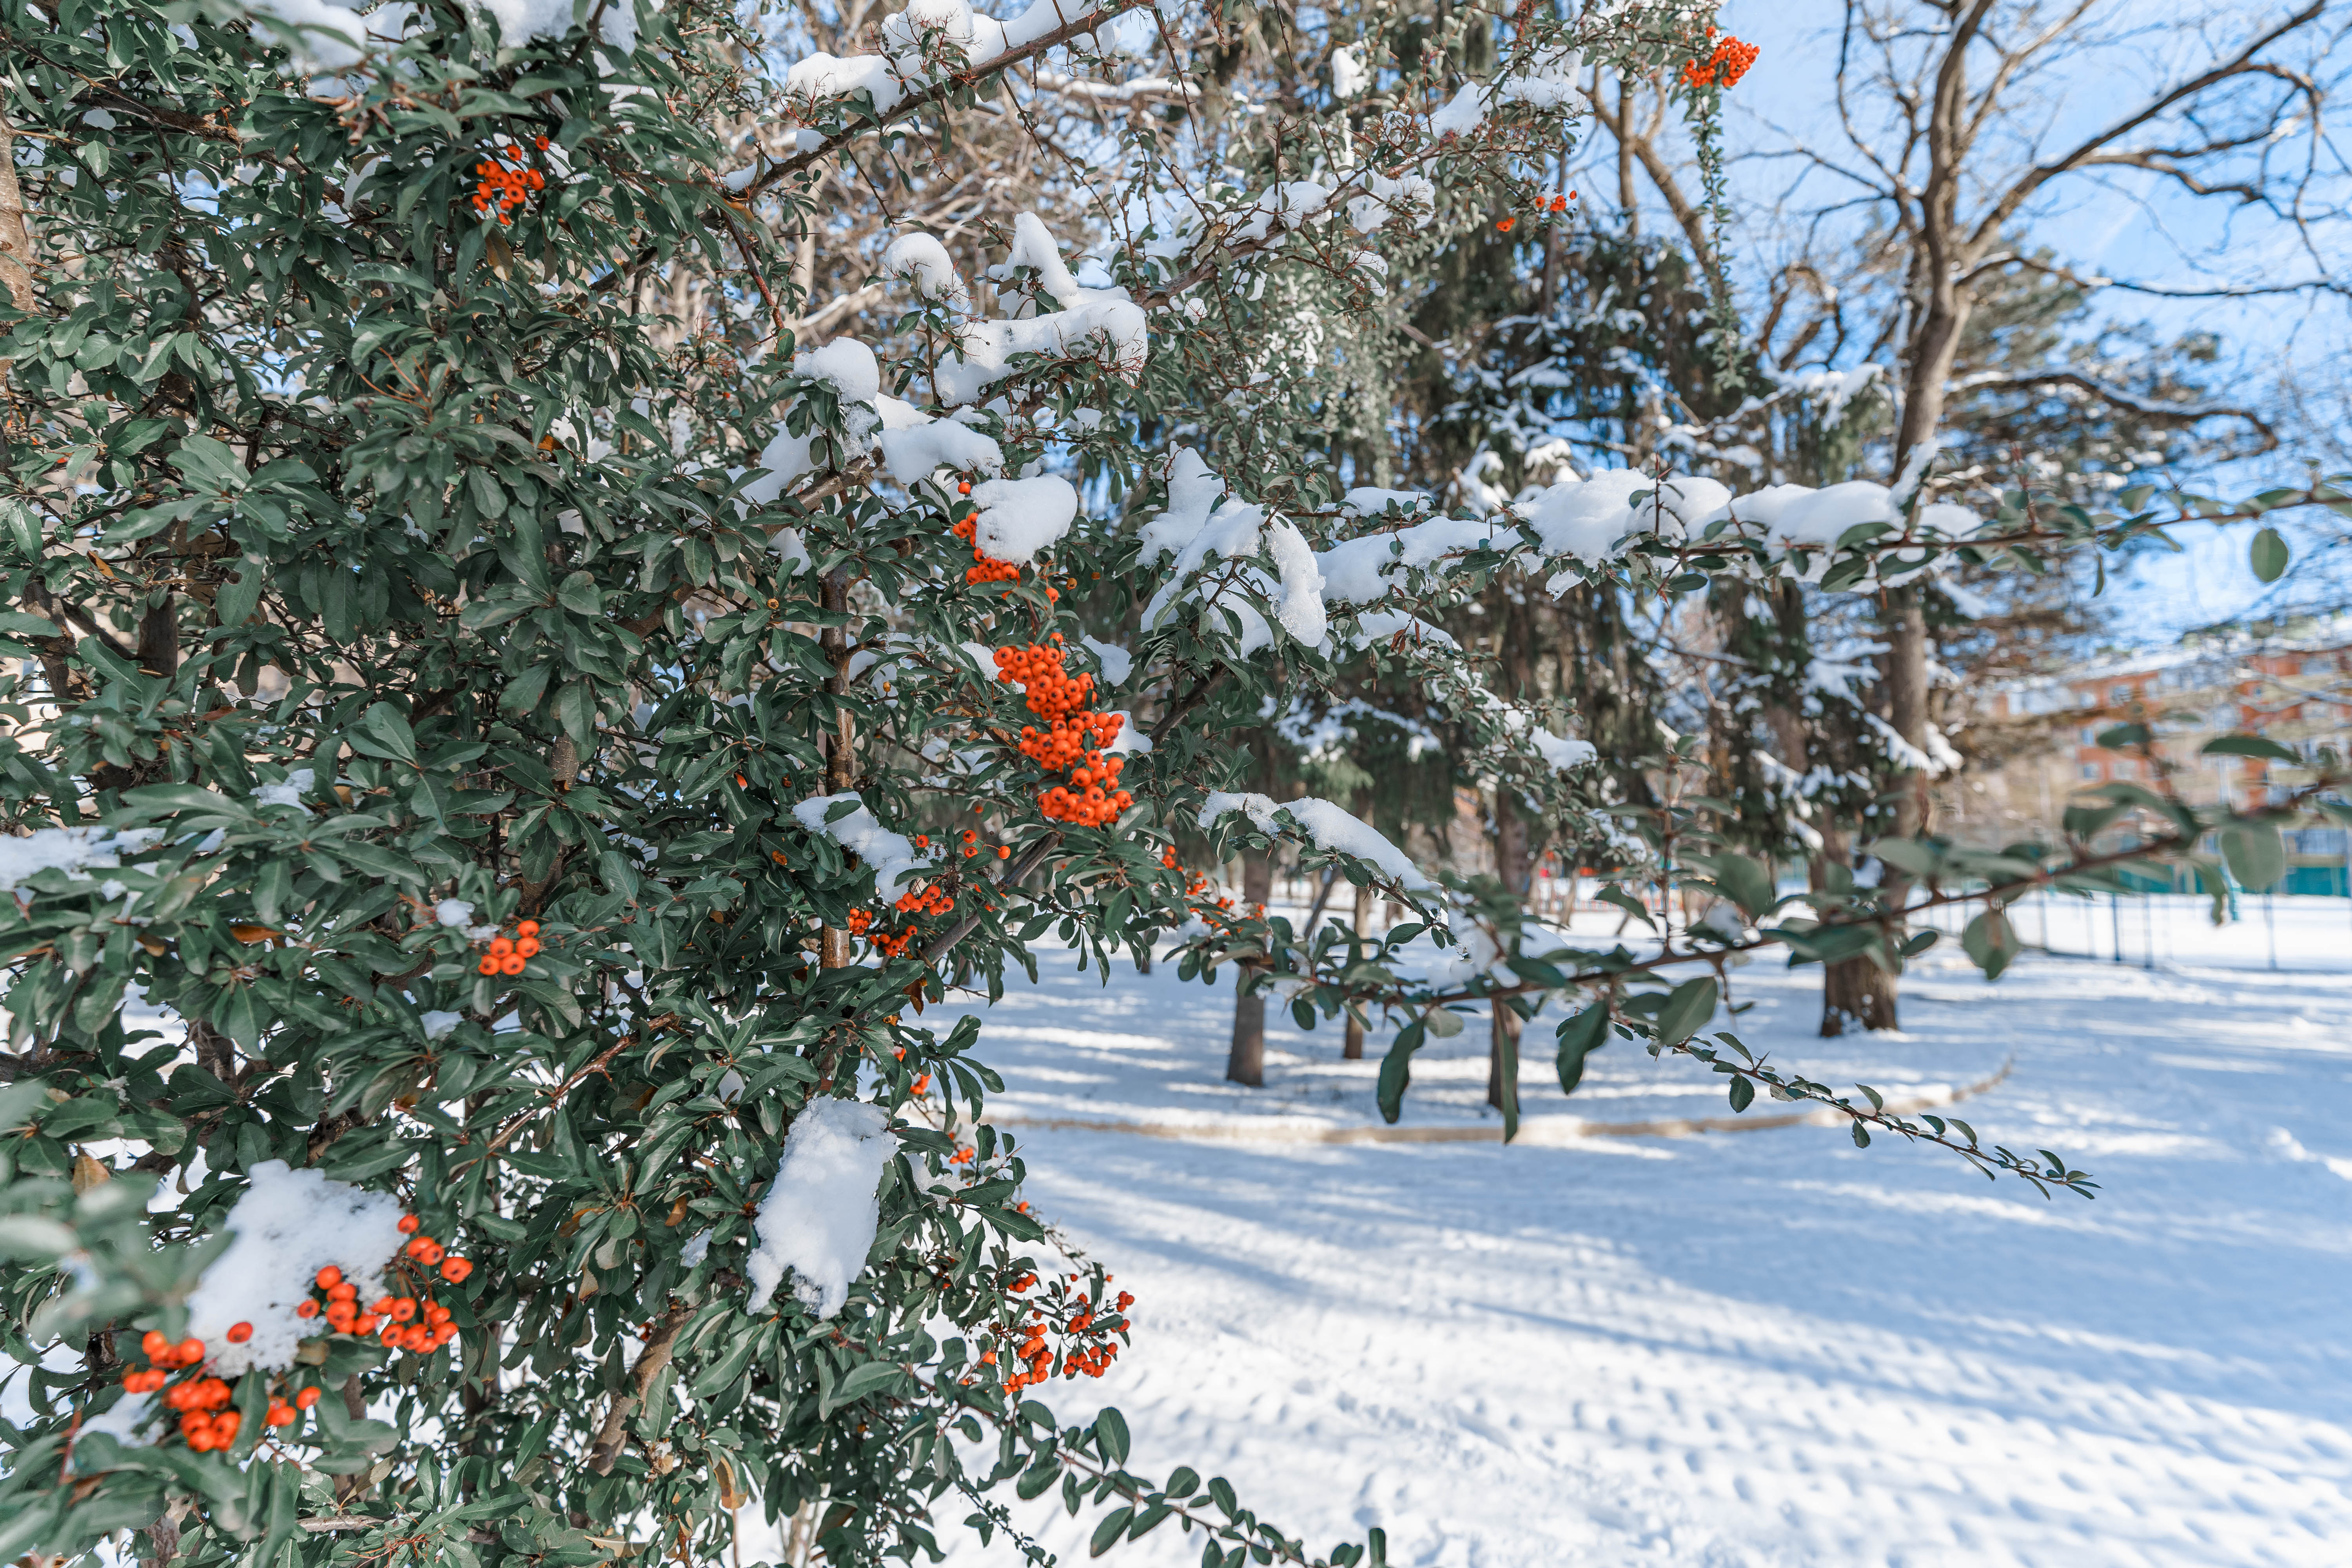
<point x="1765" y="1349"/>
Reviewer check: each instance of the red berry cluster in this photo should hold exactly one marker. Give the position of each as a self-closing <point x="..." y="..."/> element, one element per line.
<point x="404" y="1321"/>
<point x="505" y="181"/>
<point x="1724" y="67"/>
<point x="508" y="954"/>
<point x="206" y="1421"/>
<point x="929" y="898"/>
<point x="1073" y="737"/>
<point x="986" y="568"/>
<point x="1087" y="1345"/>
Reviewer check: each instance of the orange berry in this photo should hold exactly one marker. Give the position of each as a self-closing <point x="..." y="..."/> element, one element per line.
<point x="305" y="1309"/>
<point x="191" y="1352"/>
<point x="528" y="928"/>
<point x="513" y="963"/>
<point x="408" y="1224"/>
<point x="153" y="1344"/>
<point x="454" y="1269"/>
<point x="239" y="1332"/>
<point x="305" y="1398"/>
<point x="528" y="947"/>
<point x="329" y="1278"/>
<point x="489" y="965"/>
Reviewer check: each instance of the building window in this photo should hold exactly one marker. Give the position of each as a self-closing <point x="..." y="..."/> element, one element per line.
<point x="2120" y="694"/>
<point x="2318" y="666"/>
<point x="2090" y="736"/>
<point x="2090" y="770"/>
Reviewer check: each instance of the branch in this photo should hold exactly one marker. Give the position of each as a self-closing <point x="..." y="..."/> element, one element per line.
<point x="2043" y="174"/>
<point x="652" y="1360"/>
<point x="2120" y="398"/>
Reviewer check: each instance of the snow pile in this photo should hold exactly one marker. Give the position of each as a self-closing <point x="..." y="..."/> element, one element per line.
<point x="847" y="364"/>
<point x="1592" y="520"/>
<point x="1350" y="75"/>
<point x="1103" y="324"/>
<point x="1018" y="518"/>
<point x="818" y="1219"/>
<point x="297" y="785"/>
<point x="1383" y="626"/>
<point x="1409" y="197"/>
<point x="1331" y="827"/>
<point x="1117" y="663"/>
<point x="925" y="261"/>
<point x="915" y="444"/>
<point x="288" y="1225"/>
<point x="1193" y="492"/>
<point x="1299" y="604"/>
<point x="883" y="77"/>
<point x="333" y="37"/>
<point x="891" y="854"/>
<point x="1366" y="571"/>
<point x="69" y="849"/>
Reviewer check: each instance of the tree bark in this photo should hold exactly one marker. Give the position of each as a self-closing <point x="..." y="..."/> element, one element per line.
<point x="840" y="747"/>
<point x="1351" y="1045"/>
<point x="1512" y="866"/>
<point x="1246" y="1062"/>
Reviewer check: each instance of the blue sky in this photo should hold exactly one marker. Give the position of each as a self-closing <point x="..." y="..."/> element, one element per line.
<point x="2128" y="224"/>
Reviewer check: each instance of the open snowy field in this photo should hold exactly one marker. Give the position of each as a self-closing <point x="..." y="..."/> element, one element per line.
<point x="1769" y="1348"/>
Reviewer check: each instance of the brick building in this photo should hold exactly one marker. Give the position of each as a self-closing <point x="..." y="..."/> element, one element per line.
<point x="2032" y="744"/>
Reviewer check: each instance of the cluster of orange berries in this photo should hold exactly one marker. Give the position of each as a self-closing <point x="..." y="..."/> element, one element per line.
<point x="929" y="900"/>
<point x="403" y="1321"/>
<point x="1036" y="1358"/>
<point x="986" y="568"/>
<point x="1724" y="67"/>
<point x="506" y="954"/>
<point x="505" y="182"/>
<point x="1073" y="737"/>
<point x="893" y="943"/>
<point x="206" y="1421"/>
<point x="970" y="847"/>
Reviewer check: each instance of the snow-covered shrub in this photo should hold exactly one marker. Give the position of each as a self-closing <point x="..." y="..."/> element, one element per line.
<point x="543" y="755"/>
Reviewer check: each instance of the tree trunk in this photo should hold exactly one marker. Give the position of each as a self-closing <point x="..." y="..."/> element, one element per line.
<point x="1502" y="1036"/>
<point x="840" y="750"/>
<point x="1247" y="1063"/>
<point x="1512" y="866"/>
<point x="1856" y="994"/>
<point x="1352" y="1048"/>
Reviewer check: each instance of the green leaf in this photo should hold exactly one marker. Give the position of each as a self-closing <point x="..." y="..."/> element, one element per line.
<point x="1111" y="1435"/>
<point x="1991" y="942"/>
<point x="1687" y="1010"/>
<point x="2118" y="737"/>
<point x="1396" y="1071"/>
<point x="2248" y="746"/>
<point x="2257" y="856"/>
<point x="1109" y="1532"/>
<point x="389" y="729"/>
<point x="1443" y="1021"/>
<point x="1581" y="1035"/>
<point x="1743" y="1093"/>
<point x="2268" y="555"/>
<point x="1614" y="894"/>
<point x="23" y="526"/>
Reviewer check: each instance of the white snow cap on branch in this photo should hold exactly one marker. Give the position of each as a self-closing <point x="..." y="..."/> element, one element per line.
<point x="287" y="1227"/>
<point x="892" y="856"/>
<point x="1349" y="76"/>
<point x="915" y="444"/>
<point x="69" y="849"/>
<point x="1101" y="324"/>
<point x="1328" y="825"/>
<point x="925" y="262"/>
<point x="1018" y="518"/>
<point x="820" y="1214"/>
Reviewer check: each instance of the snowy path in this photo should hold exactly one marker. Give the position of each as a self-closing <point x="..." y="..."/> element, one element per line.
<point x="1770" y="1349"/>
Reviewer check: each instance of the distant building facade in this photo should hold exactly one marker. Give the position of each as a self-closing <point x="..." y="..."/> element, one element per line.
<point x="2034" y="744"/>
